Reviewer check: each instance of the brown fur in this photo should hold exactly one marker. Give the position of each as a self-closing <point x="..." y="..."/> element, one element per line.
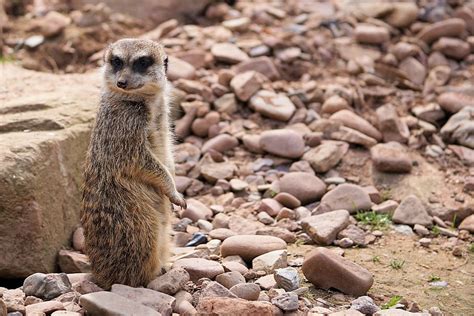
<point x="129" y="171"/>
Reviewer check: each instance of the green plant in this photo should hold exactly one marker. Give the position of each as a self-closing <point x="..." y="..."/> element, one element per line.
<point x="376" y="259"/>
<point x="386" y="194"/>
<point x="392" y="302"/>
<point x="375" y="220"/>
<point x="299" y="242"/>
<point x="435" y="231"/>
<point x="397" y="264"/>
<point x="434" y="278"/>
<point x="470" y="248"/>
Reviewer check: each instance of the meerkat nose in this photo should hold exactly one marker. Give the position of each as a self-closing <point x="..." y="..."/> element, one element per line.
<point x="122" y="84"/>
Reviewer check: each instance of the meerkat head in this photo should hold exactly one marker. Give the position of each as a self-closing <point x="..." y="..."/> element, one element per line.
<point x="135" y="67"/>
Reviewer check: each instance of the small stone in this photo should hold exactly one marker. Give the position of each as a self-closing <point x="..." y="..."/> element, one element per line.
<point x="324" y="228"/>
<point x="414" y="70"/>
<point x="373" y="193"/>
<point x="44" y="307"/>
<point x="365" y="305"/>
<point x="352" y="136"/>
<point x="251" y="246"/>
<point x="334" y="104"/>
<point x="214" y="289"/>
<point x="386" y="207"/>
<point x="160" y="302"/>
<point x="229" y="279"/>
<point x="235" y="266"/>
<point x="425" y="242"/>
<point x="305" y="187"/>
<point x="263" y="65"/>
<point x="264" y="218"/>
<point x="286" y="301"/>
<point x="233" y="306"/>
<point x="228" y="53"/>
<point x="46" y="286"/>
<point x="287" y="200"/>
<point x="446" y="28"/>
<point x="196" y="210"/>
<point x="246" y="291"/>
<point x="356" y="234"/>
<point x="467" y="224"/>
<point x="325" y="269"/>
<point x="14" y="300"/>
<point x="270" y="261"/>
<point x="179" y="69"/>
<point x="275" y="106"/>
<point x="73" y="262"/>
<point x="110" y="304"/>
<point x="218" y="171"/>
<point x="346" y="196"/>
<point x="403" y="14"/>
<point x="279" y="232"/>
<point x="78" y="241"/>
<point x="412" y="211"/>
<point x="454" y="102"/>
<point x="287" y="279"/>
<point x="326" y="156"/>
<point x="452" y="47"/>
<point x="199" y="268"/>
<point x="344" y="242"/>
<point x="34" y="41"/>
<point x="288" y="54"/>
<point x="171" y="282"/>
<point x="352" y="120"/>
<point x="283" y="143"/>
<point x="391" y="157"/>
<point x="220" y="143"/>
<point x="226" y="104"/>
<point x="239" y="24"/>
<point x="245" y="85"/>
<point x="421" y="230"/>
<point x="266" y="282"/>
<point x="371" y="34"/>
<point x="393" y="129"/>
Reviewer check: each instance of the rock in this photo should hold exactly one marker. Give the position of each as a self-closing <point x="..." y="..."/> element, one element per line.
<point x="452" y="47"/>
<point x="220" y="143"/>
<point x="226" y="104"/>
<point x="282" y="142"/>
<point x="398" y="312"/>
<point x="325" y="156"/>
<point x="44" y="307"/>
<point x="352" y="136"/>
<point x="354" y="233"/>
<point x="221" y="233"/>
<point x="468" y="224"/>
<point x="235" y="266"/>
<point x="73" y="262"/>
<point x="233" y="306"/>
<point x="14" y="300"/>
<point x="325" y="269"/>
<point x="266" y="282"/>
<point x="239" y="24"/>
<point x="431" y="112"/>
<point x="324" y="228"/>
<point x="179" y="69"/>
<point x="46" y="159"/>
<point x="393" y="129"/>
<point x="110" y="304"/>
<point x="238" y="185"/>
<point x="160" y="302"/>
<point x="196" y="210"/>
<point x="460" y="128"/>
<point x="287" y="200"/>
<point x="421" y="230"/>
<point x="305" y="187"/>
<point x="46" y="286"/>
<point x="286" y="301"/>
<point x="371" y="34"/>
<point x="264" y="218"/>
<point x="214" y="289"/>
<point x="251" y="246"/>
<point x="52" y="24"/>
<point x="229" y="279"/>
<point x="200" y="268"/>
<point x="334" y="104"/>
<point x="263" y="65"/>
<point x="279" y="232"/>
<point x="411" y="211"/>
<point x="349" y="197"/>
<point x="246" y="291"/>
<point x="228" y="53"/>
<point x="3" y="306"/>
<point x="352" y="120"/>
<point x="465" y="154"/>
<point x="218" y="171"/>
<point x="446" y="28"/>
<point x="245" y="85"/>
<point x="275" y="106"/>
<point x="365" y="305"/>
<point x="78" y="241"/>
<point x="34" y="41"/>
<point x="391" y="157"/>
<point x="403" y="14"/>
<point x="270" y="261"/>
<point x="414" y="70"/>
<point x="171" y="282"/>
<point x="386" y="207"/>
<point x="287" y="279"/>
<point x="455" y="101"/>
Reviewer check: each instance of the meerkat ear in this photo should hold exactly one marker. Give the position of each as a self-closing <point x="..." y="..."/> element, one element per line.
<point x="165" y="64"/>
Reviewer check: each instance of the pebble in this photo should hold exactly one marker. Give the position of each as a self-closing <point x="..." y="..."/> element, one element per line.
<point x="352" y="136"/>
<point x="226" y="104"/>
<point x="246" y="291"/>
<point x="324" y="228"/>
<point x="393" y="129"/>
<point x="78" y="240"/>
<point x="220" y="143"/>
<point x="421" y="230"/>
<point x="171" y="282"/>
<point x="365" y="305"/>
<point x="214" y="289"/>
<point x="46" y="286"/>
<point x="179" y="69"/>
<point x="266" y="282"/>
<point x="386" y="207"/>
<point x="14" y="300"/>
<point x="325" y="269"/>
<point x="44" y="307"/>
<point x="270" y="261"/>
<point x="286" y="301"/>
<point x="447" y="28"/>
<point x="73" y="262"/>
<point x="160" y="302"/>
<point x="110" y="304"/>
<point x="425" y="242"/>
<point x="196" y="210"/>
<point x="264" y="218"/>
<point x="467" y="224"/>
<point x="391" y="157"/>
<point x="411" y="211"/>
<point x="283" y="143"/>
<point x="371" y="34"/>
<point x="218" y="171"/>
<point x="245" y="85"/>
<point x="305" y="187"/>
<point x="459" y="129"/>
<point x="275" y="106"/>
<point x="287" y="278"/>
<point x="233" y="306"/>
<point x="356" y="234"/>
<point x="229" y="279"/>
<point x="452" y="47"/>
<point x="287" y="200"/>
<point x="354" y="121"/>
<point x="228" y="53"/>
<point x="346" y="196"/>
<point x="251" y="246"/>
<point x="200" y="268"/>
<point x="263" y="65"/>
<point x="334" y="104"/>
<point x="326" y="156"/>
<point x="414" y="70"/>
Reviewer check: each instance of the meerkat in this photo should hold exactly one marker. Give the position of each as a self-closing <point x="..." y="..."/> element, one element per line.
<point x="129" y="173"/>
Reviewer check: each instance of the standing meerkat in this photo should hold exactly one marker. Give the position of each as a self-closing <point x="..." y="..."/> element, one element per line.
<point x="129" y="185"/>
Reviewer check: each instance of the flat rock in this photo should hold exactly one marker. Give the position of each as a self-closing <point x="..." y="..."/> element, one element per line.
<point x="349" y="197"/>
<point x="287" y="278"/>
<point x="160" y="302"/>
<point x="46" y="286"/>
<point x="218" y="170"/>
<point x="270" y="261"/>
<point x="353" y="136"/>
<point x="411" y="211"/>
<point x="371" y="34"/>
<point x="325" y="269"/>
<point x="452" y="47"/>
<point x="354" y="121"/>
<point x="44" y="307"/>
<point x="446" y="28"/>
<point x="73" y="262"/>
<point x="324" y="228"/>
<point x="326" y="156"/>
<point x="229" y="279"/>
<point x="171" y="282"/>
<point x="393" y="129"/>
<point x="270" y="104"/>
<point x="233" y="306"/>
<point x="468" y="224"/>
<point x="305" y="187"/>
<point x="391" y="157"/>
<point x="179" y="69"/>
<point x="263" y="65"/>
<point x="283" y="143"/>
<point x="196" y="210"/>
<point x="286" y="301"/>
<point x="220" y="143"/>
<point x="110" y="304"/>
<point x="251" y="246"/>
<point x="228" y="53"/>
<point x="460" y="127"/>
<point x="245" y="85"/>
<point x="246" y="291"/>
<point x="287" y="200"/>
<point x="214" y="289"/>
<point x="200" y="268"/>
<point x="453" y="102"/>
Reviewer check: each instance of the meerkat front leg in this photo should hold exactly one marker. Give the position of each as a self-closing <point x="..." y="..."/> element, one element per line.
<point x="161" y="179"/>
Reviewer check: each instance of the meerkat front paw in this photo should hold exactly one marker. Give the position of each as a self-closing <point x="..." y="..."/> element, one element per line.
<point x="178" y="199"/>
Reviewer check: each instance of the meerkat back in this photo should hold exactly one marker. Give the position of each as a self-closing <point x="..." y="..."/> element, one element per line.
<point x="128" y="190"/>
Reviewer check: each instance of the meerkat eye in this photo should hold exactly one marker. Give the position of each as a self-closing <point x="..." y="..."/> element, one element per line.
<point x="142" y="64"/>
<point x="116" y="63"/>
<point x="165" y="64"/>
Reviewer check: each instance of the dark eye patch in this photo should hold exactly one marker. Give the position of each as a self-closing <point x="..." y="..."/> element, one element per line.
<point x="142" y="64"/>
<point x="116" y="63"/>
<point x="165" y="63"/>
